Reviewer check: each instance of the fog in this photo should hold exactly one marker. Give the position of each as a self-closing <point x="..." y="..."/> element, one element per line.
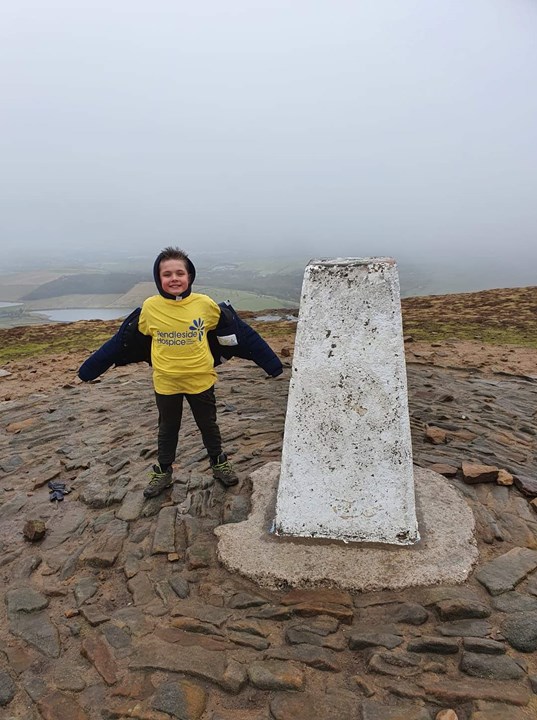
<point x="404" y="128"/>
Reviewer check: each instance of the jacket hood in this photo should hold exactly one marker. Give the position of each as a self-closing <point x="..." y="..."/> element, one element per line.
<point x="156" y="277"/>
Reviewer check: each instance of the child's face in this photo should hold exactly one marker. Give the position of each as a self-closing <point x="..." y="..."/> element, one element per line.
<point x="174" y="276"/>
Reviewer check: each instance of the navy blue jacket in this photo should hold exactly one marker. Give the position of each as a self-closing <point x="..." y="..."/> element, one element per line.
<point x="129" y="345"/>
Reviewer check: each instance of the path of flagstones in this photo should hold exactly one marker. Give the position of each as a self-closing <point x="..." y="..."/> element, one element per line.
<point x="122" y="609"/>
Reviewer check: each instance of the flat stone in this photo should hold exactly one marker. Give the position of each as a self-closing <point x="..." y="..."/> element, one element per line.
<point x="131" y="566"/>
<point x="96" y="651"/>
<point x="463" y="690"/>
<point x="164" y="538"/>
<point x="289" y="706"/>
<point x="505" y="478"/>
<point x="372" y="710"/>
<point x="197" y="626"/>
<point x="134" y="686"/>
<point x="454" y="609"/>
<point x="310" y="609"/>
<point x="95" y="494"/>
<point x="505" y="572"/>
<point x="520" y="631"/>
<point x="253" y="641"/>
<point x="318" y="706"/>
<point x="276" y="675"/>
<point x="438" y="645"/>
<point x="8" y="558"/>
<point x="85" y="589"/>
<point x="316" y="597"/>
<point x="435" y="435"/>
<point x="27" y="566"/>
<point x="11" y="463"/>
<point x="320" y="625"/>
<point x="93" y="615"/>
<point x="444" y="469"/>
<point x="19" y="658"/>
<point x="408" y="614"/>
<point x="396" y="664"/>
<point x="465" y="628"/>
<point x="116" y="636"/>
<point x="235" y="677"/>
<point x="38" y="631"/>
<point x="59" y="706"/>
<point x="182" y="699"/>
<point x="179" y="585"/>
<point x="243" y="600"/>
<point x="318" y="658"/>
<point x="69" y="567"/>
<point x="205" y="613"/>
<point x="104" y="550"/>
<point x="476" y="473"/>
<point x="526" y="485"/>
<point x="296" y="635"/>
<point x="141" y="589"/>
<point x="252" y="627"/>
<point x="7" y="689"/>
<point x="198" y="662"/>
<point x="496" y="711"/>
<point x="479" y="645"/>
<point x="514" y="602"/>
<point x="272" y="612"/>
<point x="69" y="676"/>
<point x="36" y="687"/>
<point x="12" y="507"/>
<point x="200" y="555"/>
<point x="362" y="640"/>
<point x="25" y="600"/>
<point x="65" y="527"/>
<point x="131" y="507"/>
<point x="492" y="667"/>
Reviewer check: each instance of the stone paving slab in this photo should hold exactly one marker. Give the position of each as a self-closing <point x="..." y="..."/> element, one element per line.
<point x="96" y="626"/>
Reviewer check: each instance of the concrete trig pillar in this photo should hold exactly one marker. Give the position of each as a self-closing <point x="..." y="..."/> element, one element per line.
<point x="346" y="468"/>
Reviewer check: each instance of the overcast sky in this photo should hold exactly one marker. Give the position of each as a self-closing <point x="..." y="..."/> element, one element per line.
<point x="397" y="127"/>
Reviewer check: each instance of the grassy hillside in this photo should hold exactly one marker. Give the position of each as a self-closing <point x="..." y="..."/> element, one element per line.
<point x="499" y="317"/>
<point x="504" y="316"/>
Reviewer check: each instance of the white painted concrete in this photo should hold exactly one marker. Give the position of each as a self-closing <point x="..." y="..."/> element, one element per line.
<point x="445" y="554"/>
<point x="347" y="457"/>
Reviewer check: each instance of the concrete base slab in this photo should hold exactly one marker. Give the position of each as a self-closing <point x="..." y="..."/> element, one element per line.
<point x="445" y="554"/>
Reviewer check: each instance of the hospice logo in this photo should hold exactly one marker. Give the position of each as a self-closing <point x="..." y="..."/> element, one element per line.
<point x="194" y="333"/>
<point x="199" y="326"/>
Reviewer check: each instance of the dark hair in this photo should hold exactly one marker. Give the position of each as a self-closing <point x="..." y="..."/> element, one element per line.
<point x="173" y="253"/>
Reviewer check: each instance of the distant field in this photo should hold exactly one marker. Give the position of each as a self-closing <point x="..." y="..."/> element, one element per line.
<point x="13" y="286"/>
<point x="243" y="300"/>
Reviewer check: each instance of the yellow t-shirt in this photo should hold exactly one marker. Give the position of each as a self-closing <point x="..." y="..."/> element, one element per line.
<point x="180" y="354"/>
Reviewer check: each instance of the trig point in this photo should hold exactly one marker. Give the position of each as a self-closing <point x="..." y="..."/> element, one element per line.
<point x="347" y="457"/>
<point x="346" y="471"/>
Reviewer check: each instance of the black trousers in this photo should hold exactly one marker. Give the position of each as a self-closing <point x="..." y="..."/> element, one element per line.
<point x="170" y="412"/>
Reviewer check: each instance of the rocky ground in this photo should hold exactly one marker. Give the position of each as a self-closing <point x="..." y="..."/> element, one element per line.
<point x="122" y="609"/>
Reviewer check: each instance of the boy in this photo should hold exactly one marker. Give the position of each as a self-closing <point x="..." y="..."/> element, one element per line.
<point x="177" y="321"/>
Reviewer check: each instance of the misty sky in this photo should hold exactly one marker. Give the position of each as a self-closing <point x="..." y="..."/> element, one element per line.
<point x="336" y="128"/>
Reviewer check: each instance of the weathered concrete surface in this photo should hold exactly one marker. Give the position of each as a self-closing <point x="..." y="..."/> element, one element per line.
<point x="445" y="554"/>
<point x="346" y="470"/>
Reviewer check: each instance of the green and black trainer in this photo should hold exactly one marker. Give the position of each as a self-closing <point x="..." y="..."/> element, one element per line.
<point x="160" y="480"/>
<point x="223" y="470"/>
